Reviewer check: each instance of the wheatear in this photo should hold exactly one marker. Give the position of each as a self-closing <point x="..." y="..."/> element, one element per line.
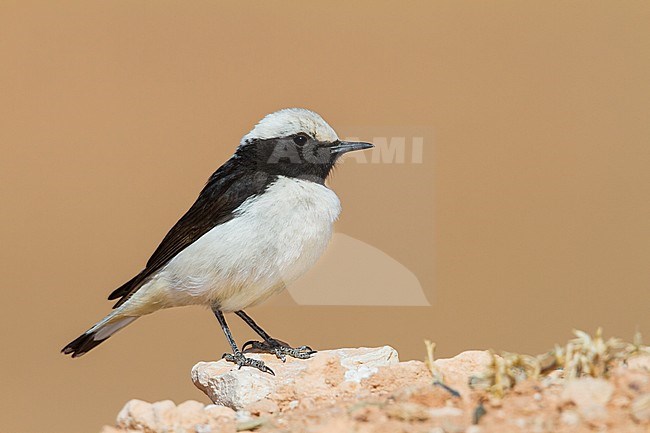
<point x="261" y="221"/>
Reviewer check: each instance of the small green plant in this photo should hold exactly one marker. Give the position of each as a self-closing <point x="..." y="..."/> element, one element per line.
<point x="428" y="361"/>
<point x="505" y="371"/>
<point x="438" y="379"/>
<point x="584" y="355"/>
<point x="593" y="356"/>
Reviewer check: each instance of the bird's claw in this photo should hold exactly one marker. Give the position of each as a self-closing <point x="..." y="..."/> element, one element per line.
<point x="280" y="350"/>
<point x="239" y="359"/>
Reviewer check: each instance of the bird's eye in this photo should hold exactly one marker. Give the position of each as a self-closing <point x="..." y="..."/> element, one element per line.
<point x="300" y="139"/>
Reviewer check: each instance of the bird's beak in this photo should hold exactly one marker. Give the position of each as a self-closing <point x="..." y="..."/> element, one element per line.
<point x="341" y="147"/>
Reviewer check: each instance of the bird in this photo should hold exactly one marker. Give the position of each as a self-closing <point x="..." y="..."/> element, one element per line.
<point x="260" y="222"/>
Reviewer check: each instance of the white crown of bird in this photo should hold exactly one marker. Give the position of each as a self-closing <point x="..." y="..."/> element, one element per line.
<point x="291" y="121"/>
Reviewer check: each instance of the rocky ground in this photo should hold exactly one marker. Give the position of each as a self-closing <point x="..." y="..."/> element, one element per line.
<point x="369" y="390"/>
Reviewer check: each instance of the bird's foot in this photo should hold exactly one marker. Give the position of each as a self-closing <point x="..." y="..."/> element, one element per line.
<point x="239" y="359"/>
<point x="281" y="350"/>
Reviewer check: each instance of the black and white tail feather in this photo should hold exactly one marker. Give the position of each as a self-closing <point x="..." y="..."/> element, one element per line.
<point x="96" y="335"/>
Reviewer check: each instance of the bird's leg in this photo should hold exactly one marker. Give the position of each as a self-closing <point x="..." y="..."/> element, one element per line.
<point x="271" y="345"/>
<point x="236" y="356"/>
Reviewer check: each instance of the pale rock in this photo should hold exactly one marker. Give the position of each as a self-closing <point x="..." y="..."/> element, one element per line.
<point x="325" y="373"/>
<point x="369" y="391"/>
<point x="640" y="362"/>
<point x="361" y="365"/>
<point x="263" y="406"/>
<point x="570" y="418"/>
<point x="641" y="408"/>
<point x="447" y="411"/>
<point x="137" y="415"/>
<point x="590" y="396"/>
<point x="336" y="425"/>
<point x="620" y="401"/>
<point x="217" y="411"/>
<point x="165" y="416"/>
<point x="457" y="371"/>
<point x="396" y="376"/>
<point x="306" y="404"/>
<point x="451" y="418"/>
<point x="243" y="416"/>
<point x="408" y="411"/>
<point x="163" y="412"/>
<point x="522" y="423"/>
<point x="190" y="413"/>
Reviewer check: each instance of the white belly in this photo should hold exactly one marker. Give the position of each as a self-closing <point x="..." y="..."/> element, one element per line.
<point x="273" y="239"/>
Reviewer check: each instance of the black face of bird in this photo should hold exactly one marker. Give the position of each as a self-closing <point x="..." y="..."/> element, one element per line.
<point x="298" y="155"/>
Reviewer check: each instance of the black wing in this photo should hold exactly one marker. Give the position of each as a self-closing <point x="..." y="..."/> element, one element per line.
<point x="224" y="192"/>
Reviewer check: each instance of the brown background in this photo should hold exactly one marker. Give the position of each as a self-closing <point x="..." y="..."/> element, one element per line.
<point x="529" y="216"/>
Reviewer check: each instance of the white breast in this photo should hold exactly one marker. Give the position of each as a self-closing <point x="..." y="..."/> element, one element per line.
<point x="274" y="238"/>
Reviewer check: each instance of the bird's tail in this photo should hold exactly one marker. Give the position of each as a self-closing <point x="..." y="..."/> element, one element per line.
<point x="96" y="335"/>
